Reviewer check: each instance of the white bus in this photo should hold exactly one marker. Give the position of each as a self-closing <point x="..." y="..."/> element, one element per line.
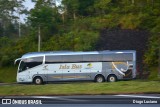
<point x="99" y="66"/>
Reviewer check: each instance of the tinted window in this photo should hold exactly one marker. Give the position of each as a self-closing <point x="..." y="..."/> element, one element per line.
<point x="92" y="58"/>
<point x="72" y="58"/>
<point x="53" y="59"/>
<point x="63" y="58"/>
<point x="118" y="57"/>
<point x="30" y="63"/>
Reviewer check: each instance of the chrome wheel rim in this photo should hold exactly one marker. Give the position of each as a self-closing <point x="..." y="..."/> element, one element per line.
<point x="112" y="79"/>
<point x="38" y="81"/>
<point x="99" y="79"/>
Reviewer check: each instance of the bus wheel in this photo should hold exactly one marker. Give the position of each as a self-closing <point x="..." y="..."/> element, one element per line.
<point x="38" y="80"/>
<point x="112" y="78"/>
<point x="99" y="79"/>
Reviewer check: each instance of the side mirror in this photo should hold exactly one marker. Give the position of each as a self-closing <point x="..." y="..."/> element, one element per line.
<point x="17" y="61"/>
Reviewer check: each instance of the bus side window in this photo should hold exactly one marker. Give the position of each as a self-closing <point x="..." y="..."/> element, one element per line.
<point x="49" y="59"/>
<point x="35" y="61"/>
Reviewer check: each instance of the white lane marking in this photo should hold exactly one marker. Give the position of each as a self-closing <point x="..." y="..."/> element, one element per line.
<point x="59" y="98"/>
<point x="45" y="97"/>
<point x="137" y="96"/>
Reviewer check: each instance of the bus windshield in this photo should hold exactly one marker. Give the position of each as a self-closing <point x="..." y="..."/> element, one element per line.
<point x="30" y="63"/>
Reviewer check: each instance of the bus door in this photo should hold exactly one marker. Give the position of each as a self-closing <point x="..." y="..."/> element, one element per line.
<point x="31" y="66"/>
<point x="23" y="74"/>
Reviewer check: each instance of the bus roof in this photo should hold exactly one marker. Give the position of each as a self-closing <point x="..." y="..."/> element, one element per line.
<point x="34" y="54"/>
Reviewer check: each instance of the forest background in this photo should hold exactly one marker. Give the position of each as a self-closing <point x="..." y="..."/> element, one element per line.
<point x="82" y="25"/>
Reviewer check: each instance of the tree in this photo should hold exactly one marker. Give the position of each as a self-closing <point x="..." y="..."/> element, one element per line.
<point x="71" y="7"/>
<point x="8" y="8"/>
<point x="76" y="8"/>
<point x="101" y="6"/>
<point x="44" y="17"/>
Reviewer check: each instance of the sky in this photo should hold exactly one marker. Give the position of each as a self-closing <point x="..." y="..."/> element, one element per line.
<point x="29" y="5"/>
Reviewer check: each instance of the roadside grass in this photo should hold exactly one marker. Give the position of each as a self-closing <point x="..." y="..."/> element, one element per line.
<point x="8" y="74"/>
<point x="82" y="88"/>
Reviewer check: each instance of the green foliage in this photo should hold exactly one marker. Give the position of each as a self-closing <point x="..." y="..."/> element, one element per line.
<point x="83" y="40"/>
<point x="8" y="74"/>
<point x="4" y="41"/>
<point x="74" y="40"/>
<point x="130" y="21"/>
<point x="102" y="6"/>
<point x="157" y="25"/>
<point x="11" y="50"/>
<point x="154" y="74"/>
<point x="45" y="17"/>
<point x="8" y="18"/>
<point x="77" y="26"/>
<point x="71" y="5"/>
<point x="152" y="55"/>
<point x="74" y="8"/>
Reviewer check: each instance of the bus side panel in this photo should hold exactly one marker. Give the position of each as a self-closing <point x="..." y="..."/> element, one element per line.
<point x="108" y="69"/>
<point x="29" y="74"/>
<point x="96" y="68"/>
<point x="84" y="72"/>
<point x="81" y="71"/>
<point x="69" y="70"/>
<point x="54" y="73"/>
<point x="37" y="71"/>
<point x="130" y="72"/>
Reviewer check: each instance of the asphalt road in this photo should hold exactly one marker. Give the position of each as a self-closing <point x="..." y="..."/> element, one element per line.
<point x="140" y="100"/>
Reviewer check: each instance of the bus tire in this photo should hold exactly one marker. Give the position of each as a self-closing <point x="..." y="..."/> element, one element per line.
<point x="112" y="78"/>
<point x="99" y="79"/>
<point x="38" y="80"/>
